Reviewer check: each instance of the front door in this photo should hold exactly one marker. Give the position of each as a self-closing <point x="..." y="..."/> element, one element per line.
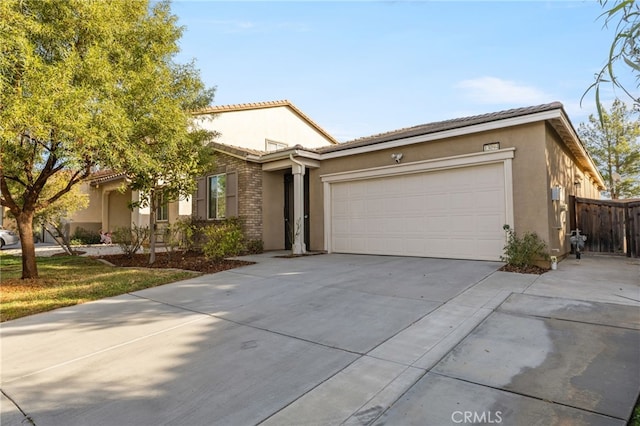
<point x="289" y="226"/>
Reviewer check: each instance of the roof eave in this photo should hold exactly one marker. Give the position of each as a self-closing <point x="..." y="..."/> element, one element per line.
<point x="443" y="134"/>
<point x="562" y="125"/>
<point x="296" y="151"/>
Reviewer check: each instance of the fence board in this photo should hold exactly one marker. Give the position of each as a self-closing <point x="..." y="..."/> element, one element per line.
<point x="608" y="224"/>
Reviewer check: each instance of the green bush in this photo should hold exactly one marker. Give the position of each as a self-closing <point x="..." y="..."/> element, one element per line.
<point x="525" y="250"/>
<point x="224" y="239"/>
<point x="179" y="235"/>
<point x="255" y="246"/>
<point x="130" y="239"/>
<point x="196" y="238"/>
<point x="82" y="236"/>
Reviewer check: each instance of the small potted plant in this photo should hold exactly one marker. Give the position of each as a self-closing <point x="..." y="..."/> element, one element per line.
<point x="554" y="262"/>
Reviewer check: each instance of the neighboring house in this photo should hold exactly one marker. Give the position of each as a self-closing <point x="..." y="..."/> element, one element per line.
<point x="442" y="189"/>
<point x="255" y="127"/>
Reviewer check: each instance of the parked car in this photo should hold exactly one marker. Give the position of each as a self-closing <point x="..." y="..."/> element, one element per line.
<point x="8" y="238"/>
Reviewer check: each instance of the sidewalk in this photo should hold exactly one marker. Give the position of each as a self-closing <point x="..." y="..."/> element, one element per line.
<point x="50" y="249"/>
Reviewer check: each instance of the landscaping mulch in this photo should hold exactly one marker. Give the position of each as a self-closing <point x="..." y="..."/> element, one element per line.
<point x="189" y="260"/>
<point x="524" y="269"/>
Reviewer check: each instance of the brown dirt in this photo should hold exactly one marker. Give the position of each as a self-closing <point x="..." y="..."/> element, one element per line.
<point x="523" y="269"/>
<point x="189" y="260"/>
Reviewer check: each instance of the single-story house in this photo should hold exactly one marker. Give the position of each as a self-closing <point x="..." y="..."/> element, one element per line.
<point x="441" y="189"/>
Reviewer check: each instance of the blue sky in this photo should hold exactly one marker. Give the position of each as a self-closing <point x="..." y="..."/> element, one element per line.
<point x="364" y="67"/>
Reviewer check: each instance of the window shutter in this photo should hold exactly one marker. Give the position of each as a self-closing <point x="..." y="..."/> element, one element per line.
<point x="232" y="194"/>
<point x="201" y="199"/>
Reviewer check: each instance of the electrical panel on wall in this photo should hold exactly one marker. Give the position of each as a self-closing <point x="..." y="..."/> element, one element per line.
<point x="557" y="193"/>
<point x="560" y="206"/>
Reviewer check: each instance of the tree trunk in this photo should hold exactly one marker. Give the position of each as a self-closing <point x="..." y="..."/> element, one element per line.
<point x="25" y="229"/>
<point x="152" y="227"/>
<point x="60" y="239"/>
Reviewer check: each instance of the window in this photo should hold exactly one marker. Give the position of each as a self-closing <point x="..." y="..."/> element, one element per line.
<point x="162" y="207"/>
<point x="217" y="191"/>
<point x="273" y="145"/>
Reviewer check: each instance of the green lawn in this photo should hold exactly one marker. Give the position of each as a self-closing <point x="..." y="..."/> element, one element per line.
<point x="70" y="280"/>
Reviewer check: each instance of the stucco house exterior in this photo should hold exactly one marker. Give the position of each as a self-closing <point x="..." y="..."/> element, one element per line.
<point x="259" y="127"/>
<point x="441" y="189"/>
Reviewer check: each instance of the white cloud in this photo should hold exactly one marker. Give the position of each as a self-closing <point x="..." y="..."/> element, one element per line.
<point x="493" y="90"/>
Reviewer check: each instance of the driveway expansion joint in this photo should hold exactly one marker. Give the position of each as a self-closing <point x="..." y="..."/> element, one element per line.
<point x="240" y="323"/>
<point x="524" y="395"/>
<point x="26" y="416"/>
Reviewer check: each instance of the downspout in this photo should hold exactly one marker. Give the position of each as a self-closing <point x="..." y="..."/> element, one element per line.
<point x="293" y="160"/>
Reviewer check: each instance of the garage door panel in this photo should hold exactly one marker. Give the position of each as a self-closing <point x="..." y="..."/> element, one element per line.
<point x="487" y="200"/>
<point x="488" y="223"/>
<point x="462" y="201"/>
<point x="414" y="204"/>
<point x="457" y="213"/>
<point x="438" y="223"/>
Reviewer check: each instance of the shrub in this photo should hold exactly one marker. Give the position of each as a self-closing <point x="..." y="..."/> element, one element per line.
<point x="197" y="237"/>
<point x="82" y="236"/>
<point x="223" y="240"/>
<point x="255" y="246"/>
<point x="525" y="250"/>
<point x="179" y="235"/>
<point x="131" y="239"/>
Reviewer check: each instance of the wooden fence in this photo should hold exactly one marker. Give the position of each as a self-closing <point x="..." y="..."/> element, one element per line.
<point x="611" y="226"/>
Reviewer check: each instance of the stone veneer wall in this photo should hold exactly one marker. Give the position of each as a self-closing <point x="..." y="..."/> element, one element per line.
<point x="249" y="192"/>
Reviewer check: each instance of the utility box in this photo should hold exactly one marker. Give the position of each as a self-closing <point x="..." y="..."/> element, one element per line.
<point x="557" y="193"/>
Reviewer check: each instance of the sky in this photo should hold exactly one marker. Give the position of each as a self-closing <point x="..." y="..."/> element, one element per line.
<point x="358" y="68"/>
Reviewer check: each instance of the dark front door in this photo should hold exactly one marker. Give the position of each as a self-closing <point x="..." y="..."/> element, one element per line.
<point x="289" y="225"/>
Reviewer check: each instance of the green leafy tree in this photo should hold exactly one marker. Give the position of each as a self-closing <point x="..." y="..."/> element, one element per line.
<point x="613" y="140"/>
<point x="86" y="83"/>
<point x="53" y="217"/>
<point x="624" y="51"/>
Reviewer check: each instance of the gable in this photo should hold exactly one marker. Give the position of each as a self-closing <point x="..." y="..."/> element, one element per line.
<point x="253" y="125"/>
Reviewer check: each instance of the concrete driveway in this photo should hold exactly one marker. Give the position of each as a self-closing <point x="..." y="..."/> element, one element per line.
<point x="338" y="339"/>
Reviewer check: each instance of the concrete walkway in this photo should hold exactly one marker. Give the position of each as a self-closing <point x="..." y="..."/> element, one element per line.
<point x="338" y="339"/>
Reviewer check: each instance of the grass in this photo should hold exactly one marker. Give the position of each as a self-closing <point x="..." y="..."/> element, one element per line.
<point x="635" y="416"/>
<point x="70" y="280"/>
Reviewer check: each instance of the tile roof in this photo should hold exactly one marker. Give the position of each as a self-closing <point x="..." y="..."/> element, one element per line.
<point x="102" y="176"/>
<point x="439" y="126"/>
<point x="241" y="107"/>
<point x="236" y="150"/>
<point x="261" y="105"/>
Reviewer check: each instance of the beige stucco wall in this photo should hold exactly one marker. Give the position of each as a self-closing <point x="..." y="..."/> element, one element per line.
<point x="563" y="171"/>
<point x="119" y="213"/>
<point x="316" y="216"/>
<point x="273" y="209"/>
<point x="106" y="202"/>
<point x="250" y="128"/>
<point x="89" y="218"/>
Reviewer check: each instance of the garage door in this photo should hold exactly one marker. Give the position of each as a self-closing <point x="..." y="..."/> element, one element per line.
<point x="455" y="213"/>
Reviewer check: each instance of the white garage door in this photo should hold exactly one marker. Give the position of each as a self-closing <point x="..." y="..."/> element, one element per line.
<point x="456" y="213"/>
